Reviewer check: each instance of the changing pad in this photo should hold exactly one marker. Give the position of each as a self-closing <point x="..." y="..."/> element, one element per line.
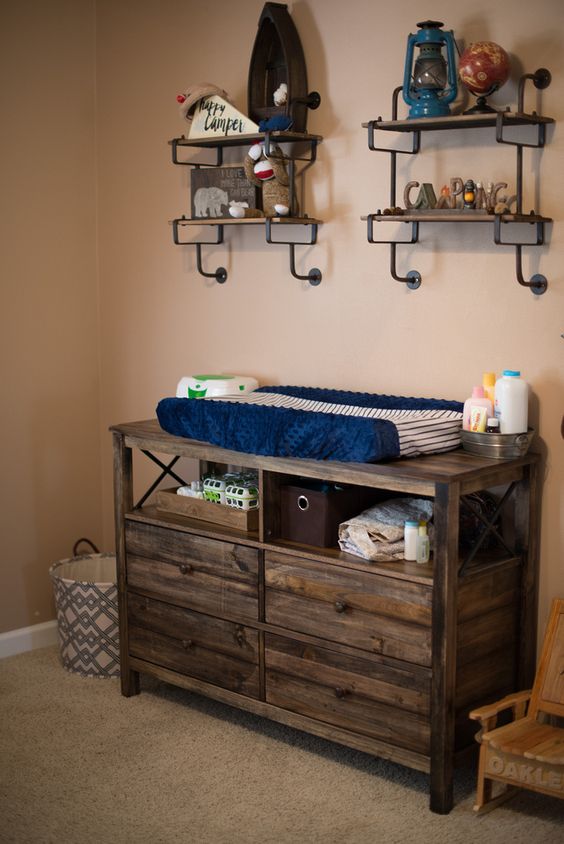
<point x="318" y="424"/>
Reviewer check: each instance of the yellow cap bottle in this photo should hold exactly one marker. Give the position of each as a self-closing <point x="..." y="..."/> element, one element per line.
<point x="488" y="383"/>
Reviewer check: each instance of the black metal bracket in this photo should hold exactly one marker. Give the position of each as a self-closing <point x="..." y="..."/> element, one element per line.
<point x="538" y="282"/>
<point x="489" y="526"/>
<point x="220" y="274"/>
<point x="413" y="278"/>
<point x="393" y="153"/>
<point x="314" y="275"/>
<point x="176" y="142"/>
<point x="541" y="79"/>
<point x="166" y="471"/>
<point x="312" y="101"/>
<point x="311" y="141"/>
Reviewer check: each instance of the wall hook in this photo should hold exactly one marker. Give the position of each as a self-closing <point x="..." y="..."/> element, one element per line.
<point x="538" y="282"/>
<point x="314" y="275"/>
<point x="413" y="278"/>
<point x="220" y="274"/>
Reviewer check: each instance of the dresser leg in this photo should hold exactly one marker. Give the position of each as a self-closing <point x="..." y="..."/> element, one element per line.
<point x="123" y="503"/>
<point x="441" y="796"/>
<point x="445" y="582"/>
<point x="129" y="683"/>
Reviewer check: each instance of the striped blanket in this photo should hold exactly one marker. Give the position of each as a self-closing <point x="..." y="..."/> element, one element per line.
<point x="318" y="424"/>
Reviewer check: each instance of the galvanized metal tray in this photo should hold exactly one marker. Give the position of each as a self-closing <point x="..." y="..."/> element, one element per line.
<point x="499" y="446"/>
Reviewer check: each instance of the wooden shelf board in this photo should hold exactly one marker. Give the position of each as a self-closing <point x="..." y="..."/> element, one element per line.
<point x="459" y="121"/>
<point x="457" y="216"/>
<point x="243" y="140"/>
<point x="251" y="221"/>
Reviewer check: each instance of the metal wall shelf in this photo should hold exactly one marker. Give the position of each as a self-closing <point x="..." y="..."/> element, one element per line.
<point x="299" y="141"/>
<point x="500" y="121"/>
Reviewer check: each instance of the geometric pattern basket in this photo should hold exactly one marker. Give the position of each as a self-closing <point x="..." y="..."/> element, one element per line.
<point x="85" y="591"/>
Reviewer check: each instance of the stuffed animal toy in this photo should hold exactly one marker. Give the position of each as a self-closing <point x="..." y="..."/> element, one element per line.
<point x="271" y="175"/>
<point x="278" y="122"/>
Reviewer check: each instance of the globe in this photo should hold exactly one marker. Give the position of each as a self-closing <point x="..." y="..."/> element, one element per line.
<point x="483" y="68"/>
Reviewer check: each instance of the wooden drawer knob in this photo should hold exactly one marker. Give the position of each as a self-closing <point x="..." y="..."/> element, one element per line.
<point x="340" y="606"/>
<point x="187" y="644"/>
<point x="185" y="568"/>
<point x="340" y="693"/>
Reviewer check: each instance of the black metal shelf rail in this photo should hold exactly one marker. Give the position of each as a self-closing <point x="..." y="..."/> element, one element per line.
<point x="500" y="120"/>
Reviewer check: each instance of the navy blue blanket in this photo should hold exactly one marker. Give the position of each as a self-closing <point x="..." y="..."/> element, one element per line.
<point x="319" y="424"/>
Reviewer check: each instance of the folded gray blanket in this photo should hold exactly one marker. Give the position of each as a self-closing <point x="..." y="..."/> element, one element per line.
<point x="377" y="533"/>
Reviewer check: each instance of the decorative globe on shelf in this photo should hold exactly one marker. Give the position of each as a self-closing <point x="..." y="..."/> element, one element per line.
<point x="483" y="68"/>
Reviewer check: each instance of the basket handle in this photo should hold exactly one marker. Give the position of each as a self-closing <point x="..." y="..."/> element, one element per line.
<point x="83" y="539"/>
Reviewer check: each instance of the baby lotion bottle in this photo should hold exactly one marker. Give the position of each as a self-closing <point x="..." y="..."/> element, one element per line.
<point x="512" y="402"/>
<point x="477" y="399"/>
<point x="411" y="529"/>
<point x="422" y="553"/>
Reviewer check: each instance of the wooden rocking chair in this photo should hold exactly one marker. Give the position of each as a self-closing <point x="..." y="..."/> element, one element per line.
<point x="529" y="751"/>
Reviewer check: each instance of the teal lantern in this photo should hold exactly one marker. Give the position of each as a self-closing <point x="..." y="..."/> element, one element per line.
<point x="429" y="84"/>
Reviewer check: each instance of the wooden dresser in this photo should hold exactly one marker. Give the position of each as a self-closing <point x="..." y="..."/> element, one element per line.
<point x="388" y="658"/>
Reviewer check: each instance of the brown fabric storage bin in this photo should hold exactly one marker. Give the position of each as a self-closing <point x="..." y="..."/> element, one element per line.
<point x="312" y="512"/>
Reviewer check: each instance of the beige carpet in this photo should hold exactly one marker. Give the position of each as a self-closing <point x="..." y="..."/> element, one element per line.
<point x="81" y="764"/>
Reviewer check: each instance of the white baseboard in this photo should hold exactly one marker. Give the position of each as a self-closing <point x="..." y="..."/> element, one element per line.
<point x="28" y="638"/>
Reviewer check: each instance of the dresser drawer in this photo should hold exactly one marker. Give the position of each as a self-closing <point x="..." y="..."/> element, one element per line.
<point x="220" y="652"/>
<point x="379" y="698"/>
<point x="378" y="614"/>
<point x="220" y="578"/>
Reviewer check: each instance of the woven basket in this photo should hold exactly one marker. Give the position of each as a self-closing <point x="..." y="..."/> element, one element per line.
<point x="85" y="591"/>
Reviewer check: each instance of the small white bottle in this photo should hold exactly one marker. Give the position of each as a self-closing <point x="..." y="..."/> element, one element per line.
<point x="410" y="540"/>
<point x="423" y="544"/>
<point x="512" y="402"/>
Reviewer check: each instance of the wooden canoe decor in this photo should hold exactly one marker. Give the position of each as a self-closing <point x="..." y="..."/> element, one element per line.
<point x="278" y="58"/>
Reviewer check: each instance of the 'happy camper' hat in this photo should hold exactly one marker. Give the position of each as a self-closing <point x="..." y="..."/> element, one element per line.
<point x="193" y="94"/>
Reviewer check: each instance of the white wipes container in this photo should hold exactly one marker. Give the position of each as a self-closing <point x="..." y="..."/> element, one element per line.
<point x="212" y="386"/>
<point x="512" y="402"/>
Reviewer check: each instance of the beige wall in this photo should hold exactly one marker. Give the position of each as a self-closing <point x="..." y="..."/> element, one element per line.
<point x="359" y="329"/>
<point x="49" y="311"/>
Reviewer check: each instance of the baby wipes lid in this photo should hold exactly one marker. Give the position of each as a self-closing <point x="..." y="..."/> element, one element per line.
<point x="206" y="386"/>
